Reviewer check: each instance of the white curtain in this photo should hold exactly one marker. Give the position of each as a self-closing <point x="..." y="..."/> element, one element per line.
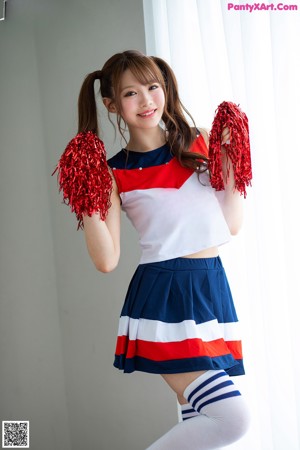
<point x="252" y="59"/>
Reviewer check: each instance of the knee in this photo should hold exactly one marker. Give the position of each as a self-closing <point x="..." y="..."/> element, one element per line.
<point x="236" y="422"/>
<point x="243" y="420"/>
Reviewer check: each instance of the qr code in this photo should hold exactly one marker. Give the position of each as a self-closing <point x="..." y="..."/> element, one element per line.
<point x="15" y="434"/>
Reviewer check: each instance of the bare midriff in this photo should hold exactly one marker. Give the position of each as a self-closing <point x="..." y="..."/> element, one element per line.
<point x="211" y="252"/>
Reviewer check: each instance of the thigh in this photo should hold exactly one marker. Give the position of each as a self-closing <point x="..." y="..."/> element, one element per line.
<point x="179" y="381"/>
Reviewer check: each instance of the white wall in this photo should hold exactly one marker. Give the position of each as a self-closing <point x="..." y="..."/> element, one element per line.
<point x="58" y="315"/>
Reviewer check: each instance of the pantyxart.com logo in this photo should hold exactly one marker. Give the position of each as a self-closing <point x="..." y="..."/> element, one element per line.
<point x="250" y="7"/>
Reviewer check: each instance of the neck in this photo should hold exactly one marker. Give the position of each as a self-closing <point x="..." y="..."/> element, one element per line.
<point x="145" y="140"/>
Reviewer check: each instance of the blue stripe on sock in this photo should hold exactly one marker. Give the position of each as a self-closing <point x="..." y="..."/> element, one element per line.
<point x="205" y="383"/>
<point x="220" y="397"/>
<point x="213" y="389"/>
<point x="188" y="411"/>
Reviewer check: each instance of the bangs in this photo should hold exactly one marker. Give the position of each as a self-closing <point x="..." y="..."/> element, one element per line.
<point x="142" y="68"/>
<point x="146" y="72"/>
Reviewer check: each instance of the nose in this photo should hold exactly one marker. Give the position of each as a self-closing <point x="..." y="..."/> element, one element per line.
<point x="146" y="98"/>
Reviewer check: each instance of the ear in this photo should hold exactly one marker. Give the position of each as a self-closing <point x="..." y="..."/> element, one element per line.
<point x="109" y="105"/>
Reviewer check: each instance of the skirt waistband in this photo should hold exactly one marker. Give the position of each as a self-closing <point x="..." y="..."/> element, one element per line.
<point x="187" y="264"/>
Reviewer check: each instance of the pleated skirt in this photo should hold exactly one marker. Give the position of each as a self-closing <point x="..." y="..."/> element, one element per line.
<point x="179" y="316"/>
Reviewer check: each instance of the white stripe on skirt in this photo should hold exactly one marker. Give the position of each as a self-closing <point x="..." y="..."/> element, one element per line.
<point x="157" y="331"/>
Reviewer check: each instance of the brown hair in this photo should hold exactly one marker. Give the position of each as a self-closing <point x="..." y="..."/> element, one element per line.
<point x="146" y="70"/>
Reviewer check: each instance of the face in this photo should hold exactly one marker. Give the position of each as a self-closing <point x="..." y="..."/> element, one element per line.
<point x="142" y="105"/>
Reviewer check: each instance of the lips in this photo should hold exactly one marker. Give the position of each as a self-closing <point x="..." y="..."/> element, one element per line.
<point x="147" y="113"/>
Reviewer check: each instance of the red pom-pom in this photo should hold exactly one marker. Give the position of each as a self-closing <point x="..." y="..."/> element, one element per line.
<point x="238" y="151"/>
<point x="83" y="176"/>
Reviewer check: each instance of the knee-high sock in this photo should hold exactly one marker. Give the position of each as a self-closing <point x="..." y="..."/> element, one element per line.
<point x="187" y="412"/>
<point x="223" y="417"/>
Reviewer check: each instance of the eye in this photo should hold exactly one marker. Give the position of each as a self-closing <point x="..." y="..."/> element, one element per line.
<point x="130" y="94"/>
<point x="153" y="87"/>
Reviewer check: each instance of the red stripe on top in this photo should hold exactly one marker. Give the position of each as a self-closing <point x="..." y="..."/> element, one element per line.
<point x="169" y="175"/>
<point x="188" y="348"/>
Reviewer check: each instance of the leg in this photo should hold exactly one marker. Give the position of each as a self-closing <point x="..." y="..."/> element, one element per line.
<point x="187" y="411"/>
<point x="179" y="381"/>
<point x="222" y="419"/>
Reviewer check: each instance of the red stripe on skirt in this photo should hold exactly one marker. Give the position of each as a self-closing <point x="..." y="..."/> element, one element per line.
<point x="189" y="348"/>
<point x="235" y="348"/>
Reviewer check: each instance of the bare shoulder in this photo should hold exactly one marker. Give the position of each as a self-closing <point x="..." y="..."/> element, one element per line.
<point x="205" y="134"/>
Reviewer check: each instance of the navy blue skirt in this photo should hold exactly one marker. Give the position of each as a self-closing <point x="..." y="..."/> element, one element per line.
<point x="179" y="316"/>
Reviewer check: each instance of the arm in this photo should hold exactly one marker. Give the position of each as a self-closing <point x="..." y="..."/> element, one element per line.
<point x="103" y="238"/>
<point x="230" y="199"/>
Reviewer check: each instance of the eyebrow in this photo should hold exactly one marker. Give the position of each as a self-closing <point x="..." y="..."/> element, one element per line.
<point x="128" y="87"/>
<point x="134" y="86"/>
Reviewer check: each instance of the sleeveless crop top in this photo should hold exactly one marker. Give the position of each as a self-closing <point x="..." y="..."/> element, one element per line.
<point x="174" y="213"/>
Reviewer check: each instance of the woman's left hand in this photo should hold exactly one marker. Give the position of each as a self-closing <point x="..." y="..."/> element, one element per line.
<point x="225" y="137"/>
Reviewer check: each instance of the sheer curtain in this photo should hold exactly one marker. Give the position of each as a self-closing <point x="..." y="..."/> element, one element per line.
<point x="253" y="59"/>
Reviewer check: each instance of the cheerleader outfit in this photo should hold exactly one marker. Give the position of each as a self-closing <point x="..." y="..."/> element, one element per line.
<point x="178" y="315"/>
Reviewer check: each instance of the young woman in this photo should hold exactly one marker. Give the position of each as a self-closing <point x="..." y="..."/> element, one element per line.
<point x="178" y="318"/>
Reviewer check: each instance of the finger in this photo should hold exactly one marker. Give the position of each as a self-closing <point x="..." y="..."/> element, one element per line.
<point x="225" y="137"/>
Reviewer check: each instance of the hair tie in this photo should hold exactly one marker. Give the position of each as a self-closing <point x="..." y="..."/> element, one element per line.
<point x="98" y="75"/>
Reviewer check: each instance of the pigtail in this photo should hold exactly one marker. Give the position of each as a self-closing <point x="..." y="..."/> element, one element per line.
<point x="180" y="134"/>
<point x="173" y="101"/>
<point x="87" y="109"/>
<point x="82" y="170"/>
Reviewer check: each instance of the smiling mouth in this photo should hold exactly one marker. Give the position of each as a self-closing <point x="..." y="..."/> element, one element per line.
<point x="147" y="113"/>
